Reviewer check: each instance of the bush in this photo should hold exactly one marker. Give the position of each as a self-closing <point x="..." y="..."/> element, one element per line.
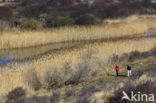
<point x="147" y="3"/>
<point x="29" y="24"/>
<point x="15" y="94"/>
<point x="146" y="87"/>
<point x="53" y="80"/>
<point x="33" y="11"/>
<point x="86" y="93"/>
<point x="138" y="74"/>
<point x="50" y="22"/>
<point x="34" y="99"/>
<point x="123" y="57"/>
<point x="114" y="58"/>
<point x="125" y="1"/>
<point x="81" y="73"/>
<point x="87" y="19"/>
<point x="70" y="92"/>
<point x="64" y="21"/>
<point x="55" y="97"/>
<point x="145" y="54"/>
<point x="153" y="51"/>
<point x="41" y="99"/>
<point x="80" y="9"/>
<point x="66" y="2"/>
<point x="134" y="55"/>
<point x="5" y="12"/>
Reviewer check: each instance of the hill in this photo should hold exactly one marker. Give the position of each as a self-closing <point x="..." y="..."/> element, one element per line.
<point x="36" y="14"/>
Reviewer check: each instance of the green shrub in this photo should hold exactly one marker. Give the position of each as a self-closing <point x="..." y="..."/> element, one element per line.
<point x="64" y="20"/>
<point x="29" y="24"/>
<point x="87" y="19"/>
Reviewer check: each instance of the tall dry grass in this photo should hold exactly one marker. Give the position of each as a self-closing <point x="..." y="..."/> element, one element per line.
<point x="14" y="77"/>
<point x="148" y="20"/>
<point x="111" y="28"/>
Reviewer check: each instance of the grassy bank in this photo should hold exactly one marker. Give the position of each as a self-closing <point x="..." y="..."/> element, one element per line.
<point x="111" y="28"/>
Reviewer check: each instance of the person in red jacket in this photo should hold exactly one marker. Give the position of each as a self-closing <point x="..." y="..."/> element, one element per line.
<point x="117" y="70"/>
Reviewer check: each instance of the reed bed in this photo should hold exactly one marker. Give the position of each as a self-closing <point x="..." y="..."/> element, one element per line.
<point x="55" y="61"/>
<point x="110" y="28"/>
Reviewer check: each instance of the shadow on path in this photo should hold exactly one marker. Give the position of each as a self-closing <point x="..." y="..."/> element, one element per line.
<point x="120" y="75"/>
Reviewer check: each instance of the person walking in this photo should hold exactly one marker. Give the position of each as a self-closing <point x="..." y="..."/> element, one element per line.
<point x="117" y="70"/>
<point x="129" y="68"/>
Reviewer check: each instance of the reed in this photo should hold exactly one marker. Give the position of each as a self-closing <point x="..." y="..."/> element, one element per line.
<point x="13" y="77"/>
<point x="110" y="28"/>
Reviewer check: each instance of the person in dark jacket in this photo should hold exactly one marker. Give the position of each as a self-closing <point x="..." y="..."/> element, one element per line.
<point x="129" y="68"/>
<point x="117" y="70"/>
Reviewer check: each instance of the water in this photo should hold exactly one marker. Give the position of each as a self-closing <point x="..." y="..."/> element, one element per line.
<point x="34" y="51"/>
<point x="8" y="55"/>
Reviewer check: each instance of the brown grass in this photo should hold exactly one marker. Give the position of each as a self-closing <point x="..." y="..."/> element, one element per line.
<point x="14" y="77"/>
<point x="111" y="28"/>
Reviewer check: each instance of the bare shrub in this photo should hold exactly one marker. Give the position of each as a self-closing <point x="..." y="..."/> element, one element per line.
<point x="86" y="93"/>
<point x="134" y="55"/>
<point x="113" y="59"/>
<point x="145" y="54"/>
<point x="146" y="87"/>
<point x="55" y="97"/>
<point x="66" y="71"/>
<point x="81" y="73"/>
<point x="138" y="74"/>
<point x="129" y="86"/>
<point x="26" y="100"/>
<point x="85" y="69"/>
<point x="52" y="80"/>
<point x="35" y="99"/>
<point x="70" y="92"/>
<point x="15" y="94"/>
<point x="41" y="99"/>
<point x="153" y="51"/>
<point x="123" y="57"/>
<point x="31" y="79"/>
